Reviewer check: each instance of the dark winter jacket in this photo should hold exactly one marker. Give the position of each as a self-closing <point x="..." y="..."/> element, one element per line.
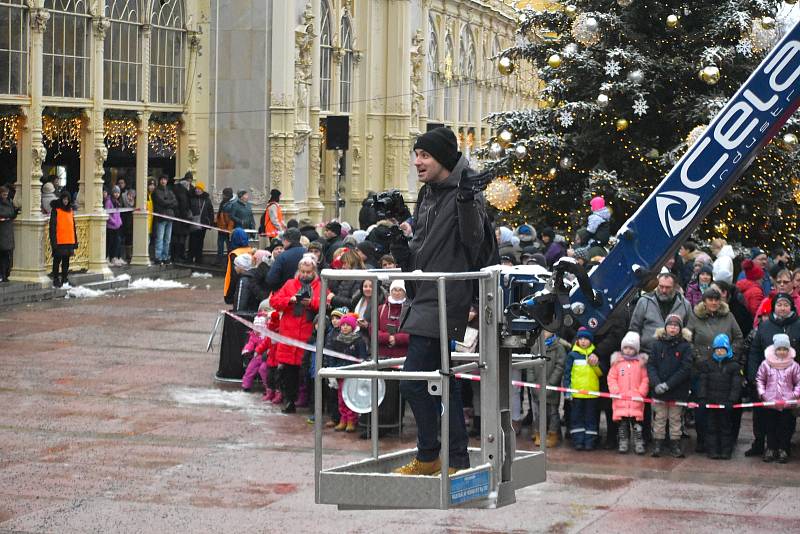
<point x="184" y="210"/>
<point x="285" y="266"/>
<point x="331" y="245"/>
<point x="719" y="382"/>
<point x="310" y="233"/>
<point x="739" y="310"/>
<point x="381" y="237"/>
<point x="201" y="205"/>
<point x="367" y="216"/>
<point x="705" y="326"/>
<point x="246" y="297"/>
<point x="670" y="362"/>
<point x="554" y="252"/>
<point x="352" y="345"/>
<point x="647" y="317"/>
<point x="763" y="339"/>
<point x="449" y="236"/>
<point x="164" y="202"/>
<point x="343" y="292"/>
<point x="7" y="213"/>
<point x="241" y="213"/>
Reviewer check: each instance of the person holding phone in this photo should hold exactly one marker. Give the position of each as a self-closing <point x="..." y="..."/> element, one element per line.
<point x="392" y="343"/>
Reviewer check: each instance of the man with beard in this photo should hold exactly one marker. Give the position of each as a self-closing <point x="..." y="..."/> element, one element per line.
<point x="653" y="309"/>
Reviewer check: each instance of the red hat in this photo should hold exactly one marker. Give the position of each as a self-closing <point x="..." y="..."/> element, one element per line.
<point x="752" y="271"/>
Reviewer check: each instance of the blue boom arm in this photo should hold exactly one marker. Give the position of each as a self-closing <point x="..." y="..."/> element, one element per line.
<point x="692" y="189"/>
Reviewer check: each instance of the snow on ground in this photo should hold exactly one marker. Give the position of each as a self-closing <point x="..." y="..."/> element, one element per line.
<point x="202" y="275"/>
<point x="149" y="283"/>
<point x="81" y="292"/>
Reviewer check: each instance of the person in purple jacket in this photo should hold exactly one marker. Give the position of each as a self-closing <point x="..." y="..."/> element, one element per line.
<point x="113" y="227"/>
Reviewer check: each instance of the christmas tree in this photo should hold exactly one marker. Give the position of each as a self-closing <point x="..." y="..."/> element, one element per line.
<point x="626" y="88"/>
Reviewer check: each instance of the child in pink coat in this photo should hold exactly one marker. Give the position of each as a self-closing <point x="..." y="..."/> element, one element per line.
<point x="628" y="377"/>
<point x="248" y="352"/>
<point x="778" y="379"/>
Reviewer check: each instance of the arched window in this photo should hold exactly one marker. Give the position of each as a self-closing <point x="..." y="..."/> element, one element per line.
<point x="346" y="78"/>
<point x="498" y="87"/>
<point x="448" y="89"/>
<point x="13" y="47"/>
<point x="122" y="69"/>
<point x="433" y="71"/>
<point x="167" y="52"/>
<point x="67" y="49"/>
<point x="325" y="57"/>
<point x="466" y="90"/>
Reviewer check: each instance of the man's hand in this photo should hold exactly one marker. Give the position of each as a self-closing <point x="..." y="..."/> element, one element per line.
<point x="471" y="184"/>
<point x="661" y="388"/>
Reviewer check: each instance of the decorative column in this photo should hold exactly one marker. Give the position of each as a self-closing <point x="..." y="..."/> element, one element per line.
<point x="94" y="152"/>
<point x="398" y="108"/>
<point x="188" y="151"/>
<point x="282" y="107"/>
<point x="30" y="226"/>
<point x="141" y="235"/>
<point x="315" y="207"/>
<point x="303" y="66"/>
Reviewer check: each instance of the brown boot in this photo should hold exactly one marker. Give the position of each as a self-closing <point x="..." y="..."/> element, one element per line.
<point x="537" y="441"/>
<point x="415" y="467"/>
<point x="552" y="439"/>
<point x="341" y="426"/>
<point x="351" y="427"/>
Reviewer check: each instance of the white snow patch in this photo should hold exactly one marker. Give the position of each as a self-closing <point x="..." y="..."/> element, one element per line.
<point x="149" y="283"/>
<point x="122" y="277"/>
<point x="232" y="400"/>
<point x="81" y="292"/>
<point x="202" y="275"/>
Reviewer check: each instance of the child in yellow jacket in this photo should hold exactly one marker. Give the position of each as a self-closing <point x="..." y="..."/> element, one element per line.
<point x="582" y="371"/>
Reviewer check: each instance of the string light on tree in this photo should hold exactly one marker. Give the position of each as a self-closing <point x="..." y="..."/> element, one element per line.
<point x="9" y="132"/>
<point x="695" y="134"/>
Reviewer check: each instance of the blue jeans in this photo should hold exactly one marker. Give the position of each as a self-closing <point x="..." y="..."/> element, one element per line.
<point x="583" y="423"/>
<point x="163" y="236"/>
<point x="424" y="355"/>
<point x="223" y="243"/>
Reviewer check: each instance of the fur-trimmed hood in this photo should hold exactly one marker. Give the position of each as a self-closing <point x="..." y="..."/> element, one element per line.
<point x="702" y="312"/>
<point x="661" y="333"/>
<point x="643" y="357"/>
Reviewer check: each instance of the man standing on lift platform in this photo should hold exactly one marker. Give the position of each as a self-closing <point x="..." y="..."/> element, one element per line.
<point x="452" y="233"/>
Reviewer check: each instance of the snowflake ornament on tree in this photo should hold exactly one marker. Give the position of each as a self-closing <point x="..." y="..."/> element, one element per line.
<point x="612" y="68"/>
<point x="640" y="106"/>
<point x="745" y="47"/>
<point x="565" y="119"/>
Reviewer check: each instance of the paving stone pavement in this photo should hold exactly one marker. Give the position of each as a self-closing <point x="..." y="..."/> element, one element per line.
<point x="111" y="422"/>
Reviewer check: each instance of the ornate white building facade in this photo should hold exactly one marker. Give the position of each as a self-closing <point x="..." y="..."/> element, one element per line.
<point x="393" y="67"/>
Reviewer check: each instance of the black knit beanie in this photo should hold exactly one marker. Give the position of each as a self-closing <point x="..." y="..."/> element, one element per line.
<point x="441" y="144"/>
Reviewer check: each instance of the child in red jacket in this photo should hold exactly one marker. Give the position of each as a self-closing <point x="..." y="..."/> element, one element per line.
<point x="628" y="377"/>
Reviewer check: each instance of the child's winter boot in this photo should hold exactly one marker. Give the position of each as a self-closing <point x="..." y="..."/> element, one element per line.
<point x="268" y="394"/>
<point x="623" y="437"/>
<point x="638" y="439"/>
<point x="552" y="439"/>
<point x="277" y="397"/>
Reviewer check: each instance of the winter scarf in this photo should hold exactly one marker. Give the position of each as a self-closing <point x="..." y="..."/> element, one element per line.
<point x="779" y="363"/>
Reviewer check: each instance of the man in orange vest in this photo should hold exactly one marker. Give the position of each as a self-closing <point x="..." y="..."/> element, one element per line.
<point x="63" y="236"/>
<point x="272" y="220"/>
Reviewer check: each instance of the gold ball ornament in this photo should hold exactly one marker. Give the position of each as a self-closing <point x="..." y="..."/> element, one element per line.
<point x="552" y="173"/>
<point x="767" y="23"/>
<point x="790" y="2"/>
<point x="502" y="193"/>
<point x="505" y="138"/>
<point x="790" y="141"/>
<point x="710" y="75"/>
<point x="571" y="11"/>
<point x="554" y="61"/>
<point x="721" y="228"/>
<point x="505" y="66"/>
<point x="672" y="22"/>
<point x="622" y="124"/>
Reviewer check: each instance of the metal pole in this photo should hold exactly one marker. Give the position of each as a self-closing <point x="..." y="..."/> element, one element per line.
<point x="542" y="395"/>
<point x="373" y="347"/>
<point x="444" y="347"/>
<point x="323" y="290"/>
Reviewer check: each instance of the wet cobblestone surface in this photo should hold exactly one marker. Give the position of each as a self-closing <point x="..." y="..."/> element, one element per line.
<point x="111" y="422"/>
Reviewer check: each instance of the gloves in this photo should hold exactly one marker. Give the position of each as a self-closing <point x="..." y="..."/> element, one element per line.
<point x="661" y="388"/>
<point x="333" y="384"/>
<point x="471" y="184"/>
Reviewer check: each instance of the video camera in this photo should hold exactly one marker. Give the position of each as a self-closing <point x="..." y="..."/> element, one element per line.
<point x="389" y="205"/>
<point x="303" y="294"/>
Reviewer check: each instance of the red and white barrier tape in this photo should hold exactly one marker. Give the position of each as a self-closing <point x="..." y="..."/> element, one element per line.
<point x="475" y="378"/>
